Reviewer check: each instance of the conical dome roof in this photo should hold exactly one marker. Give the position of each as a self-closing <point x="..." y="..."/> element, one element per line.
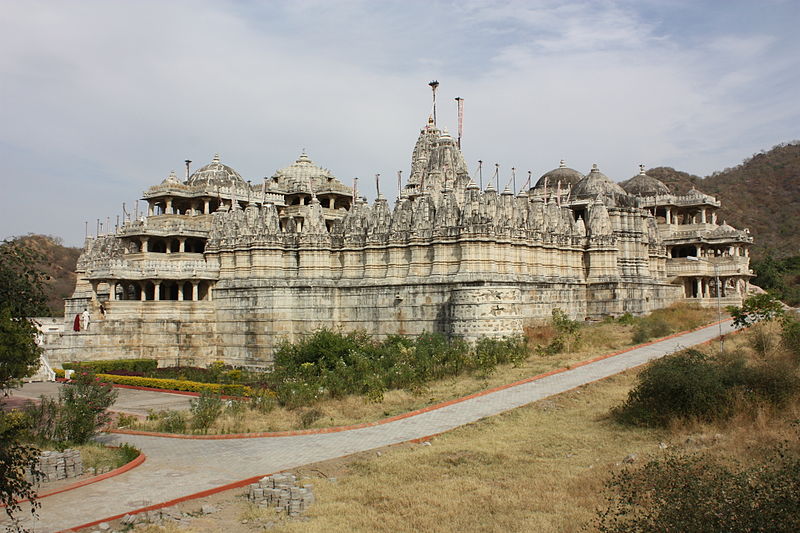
<point x="564" y="174"/>
<point x="597" y="184"/>
<point x="644" y="185"/>
<point x="297" y="177"/>
<point x="217" y="174"/>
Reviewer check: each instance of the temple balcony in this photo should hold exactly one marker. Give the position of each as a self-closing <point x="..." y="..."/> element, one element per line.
<point x="142" y="266"/>
<point x="169" y="225"/>
<point x="725" y="266"/>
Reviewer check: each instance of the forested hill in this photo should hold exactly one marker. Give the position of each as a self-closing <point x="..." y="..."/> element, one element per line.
<point x="58" y="264"/>
<point x="762" y="194"/>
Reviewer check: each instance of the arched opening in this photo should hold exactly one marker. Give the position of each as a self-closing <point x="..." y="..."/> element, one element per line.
<point x="158" y="246"/>
<point x="149" y="290"/>
<point x="202" y="290"/>
<point x="187" y="290"/>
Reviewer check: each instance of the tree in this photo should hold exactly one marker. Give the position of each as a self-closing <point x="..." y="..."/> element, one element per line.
<point x="21" y="283"/>
<point x="21" y="296"/>
<point x="755" y="309"/>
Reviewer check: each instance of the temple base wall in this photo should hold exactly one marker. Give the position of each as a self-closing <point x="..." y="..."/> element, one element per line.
<point x="248" y="318"/>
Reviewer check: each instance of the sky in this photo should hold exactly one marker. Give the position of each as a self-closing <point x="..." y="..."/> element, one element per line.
<point x="102" y="99"/>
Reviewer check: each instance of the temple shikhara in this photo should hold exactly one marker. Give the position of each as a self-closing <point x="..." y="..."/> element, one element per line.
<point x="221" y="269"/>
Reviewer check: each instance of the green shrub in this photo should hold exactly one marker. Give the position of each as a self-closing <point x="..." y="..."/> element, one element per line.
<point x="105" y="366"/>
<point x="568" y="335"/>
<point x="79" y="412"/>
<point x="332" y="364"/>
<point x="755" y="309"/>
<point x="695" y="493"/>
<point x="176" y="384"/>
<point x="173" y="422"/>
<point x="309" y="416"/>
<point x="205" y="410"/>
<point x="651" y="327"/>
<point x="684" y="385"/>
<point x="790" y="336"/>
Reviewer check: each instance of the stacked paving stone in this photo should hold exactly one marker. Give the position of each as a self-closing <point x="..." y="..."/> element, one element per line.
<point x="60" y="465"/>
<point x="282" y="492"/>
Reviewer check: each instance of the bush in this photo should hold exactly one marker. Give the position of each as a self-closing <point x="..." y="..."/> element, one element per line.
<point x="333" y="364"/>
<point x="173" y="422"/>
<point x="790" y="336"/>
<point x="755" y="309"/>
<point x="651" y="327"/>
<point x="142" y="366"/>
<point x="568" y="336"/>
<point x="205" y="410"/>
<point x="684" y="385"/>
<point x="697" y="493"/>
<point x="176" y="384"/>
<point x="80" y="411"/>
<point x="309" y="416"/>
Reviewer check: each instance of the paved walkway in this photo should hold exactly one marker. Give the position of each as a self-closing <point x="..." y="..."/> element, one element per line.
<point x="180" y="467"/>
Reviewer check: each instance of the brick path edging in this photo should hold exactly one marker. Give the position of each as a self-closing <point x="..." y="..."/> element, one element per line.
<point x="336" y="429"/>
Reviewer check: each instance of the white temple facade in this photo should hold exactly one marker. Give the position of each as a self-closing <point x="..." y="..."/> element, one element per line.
<point x="222" y="269"/>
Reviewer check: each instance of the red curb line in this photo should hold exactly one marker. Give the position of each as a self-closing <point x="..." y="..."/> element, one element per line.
<point x="418" y="440"/>
<point x="337" y="429"/>
<point x="113" y="473"/>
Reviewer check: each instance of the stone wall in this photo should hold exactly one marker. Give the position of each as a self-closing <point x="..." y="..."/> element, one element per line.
<point x="59" y="465"/>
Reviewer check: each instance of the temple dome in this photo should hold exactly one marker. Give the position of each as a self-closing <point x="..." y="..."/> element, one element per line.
<point x="172" y="179"/>
<point x="302" y="170"/>
<point x="215" y="173"/>
<point x="644" y="185"/>
<point x="297" y="177"/>
<point x="567" y="176"/>
<point x="597" y="184"/>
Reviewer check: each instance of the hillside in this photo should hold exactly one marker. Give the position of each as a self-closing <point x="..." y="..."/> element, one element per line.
<point x="58" y="264"/>
<point x="762" y="194"/>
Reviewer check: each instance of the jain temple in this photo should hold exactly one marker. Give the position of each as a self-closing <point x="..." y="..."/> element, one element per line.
<point x="219" y="269"/>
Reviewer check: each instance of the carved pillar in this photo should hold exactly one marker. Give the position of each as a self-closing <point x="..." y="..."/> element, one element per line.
<point x="206" y="206"/>
<point x="714" y="217"/>
<point x="669" y="216"/>
<point x="180" y="291"/>
<point x="151" y="206"/>
<point x="698" y="288"/>
<point x="703" y="215"/>
<point x="195" y="292"/>
<point x="331" y="202"/>
<point x="142" y="291"/>
<point x="145" y="246"/>
<point x="157" y="290"/>
<point x="168" y="210"/>
<point x="182" y="244"/>
<point x="209" y="292"/>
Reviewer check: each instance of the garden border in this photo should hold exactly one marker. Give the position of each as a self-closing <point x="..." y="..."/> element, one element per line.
<point x="409" y="414"/>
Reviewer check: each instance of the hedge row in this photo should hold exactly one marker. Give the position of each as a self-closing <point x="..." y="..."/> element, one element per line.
<point x="102" y="367"/>
<point x="177" y="384"/>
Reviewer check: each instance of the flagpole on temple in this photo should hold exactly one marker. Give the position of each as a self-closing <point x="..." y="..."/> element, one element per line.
<point x="434" y="84"/>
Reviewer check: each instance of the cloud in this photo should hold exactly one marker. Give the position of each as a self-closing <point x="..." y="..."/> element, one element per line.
<point x="108" y="97"/>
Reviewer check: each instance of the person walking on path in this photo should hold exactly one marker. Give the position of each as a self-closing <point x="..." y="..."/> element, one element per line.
<point x="85" y="316"/>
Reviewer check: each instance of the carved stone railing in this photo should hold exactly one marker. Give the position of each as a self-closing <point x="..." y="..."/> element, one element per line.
<point x="169" y="225"/>
<point x="146" y="268"/>
<point x="725" y="266"/>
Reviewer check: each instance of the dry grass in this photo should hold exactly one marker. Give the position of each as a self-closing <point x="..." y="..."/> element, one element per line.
<point x="97" y="456"/>
<point x="539" y="468"/>
<point x="595" y="339"/>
